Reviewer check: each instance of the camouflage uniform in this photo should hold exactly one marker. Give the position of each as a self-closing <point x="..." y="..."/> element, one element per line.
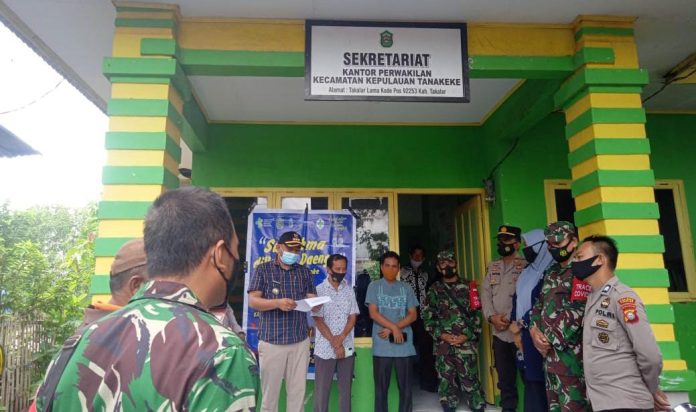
<point x="457" y="367"/>
<point x="558" y="314"/>
<point x="162" y="352"/>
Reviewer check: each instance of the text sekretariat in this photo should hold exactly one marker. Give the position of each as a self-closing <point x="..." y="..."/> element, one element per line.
<point x="386" y="59"/>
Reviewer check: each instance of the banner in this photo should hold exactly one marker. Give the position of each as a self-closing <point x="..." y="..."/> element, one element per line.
<point x="324" y="233"/>
<point x="388" y="61"/>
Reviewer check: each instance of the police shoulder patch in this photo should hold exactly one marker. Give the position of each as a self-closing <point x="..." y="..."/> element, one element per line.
<point x="628" y="307"/>
<point x="627" y="301"/>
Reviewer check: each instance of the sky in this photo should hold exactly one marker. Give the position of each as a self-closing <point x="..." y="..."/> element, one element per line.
<point x="66" y="128"/>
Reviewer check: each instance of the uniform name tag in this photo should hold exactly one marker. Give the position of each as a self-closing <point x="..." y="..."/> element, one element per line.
<point x="580" y="290"/>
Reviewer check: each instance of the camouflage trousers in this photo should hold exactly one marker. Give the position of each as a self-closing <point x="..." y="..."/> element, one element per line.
<point x="458" y="373"/>
<point x="566" y="393"/>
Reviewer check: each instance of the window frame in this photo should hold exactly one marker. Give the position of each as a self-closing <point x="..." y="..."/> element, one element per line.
<point x="681" y="210"/>
<point x="276" y="194"/>
<point x="686" y="241"/>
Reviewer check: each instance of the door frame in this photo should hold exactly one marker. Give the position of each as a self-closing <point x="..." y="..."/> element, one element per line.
<point x="488" y="375"/>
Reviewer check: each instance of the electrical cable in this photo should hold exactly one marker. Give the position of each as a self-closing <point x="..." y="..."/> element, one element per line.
<point x="667" y="83"/>
<point x="509" y="152"/>
<point x="35" y="100"/>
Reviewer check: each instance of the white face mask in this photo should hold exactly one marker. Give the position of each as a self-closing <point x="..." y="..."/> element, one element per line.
<point x="416" y="264"/>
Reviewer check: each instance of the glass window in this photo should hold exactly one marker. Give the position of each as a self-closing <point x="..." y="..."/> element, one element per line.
<point x="240" y="208"/>
<point x="669" y="228"/>
<point x="565" y="205"/>
<point x="314" y="203"/>
<point x="372" y="231"/>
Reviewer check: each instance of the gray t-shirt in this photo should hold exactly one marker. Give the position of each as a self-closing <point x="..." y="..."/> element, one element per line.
<point x="393" y="301"/>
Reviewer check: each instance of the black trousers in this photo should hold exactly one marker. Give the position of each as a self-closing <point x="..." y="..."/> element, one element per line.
<point x="382" y="369"/>
<point x="505" y="356"/>
<point x="535" y="397"/>
<point x="425" y="364"/>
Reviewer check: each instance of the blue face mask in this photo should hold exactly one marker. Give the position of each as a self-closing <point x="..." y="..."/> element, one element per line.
<point x="289" y="258"/>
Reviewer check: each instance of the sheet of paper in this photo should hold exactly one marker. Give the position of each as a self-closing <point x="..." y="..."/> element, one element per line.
<point x="305" y="305"/>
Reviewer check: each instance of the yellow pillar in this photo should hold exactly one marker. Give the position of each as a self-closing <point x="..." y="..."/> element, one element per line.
<point x="145" y="121"/>
<point x="613" y="183"/>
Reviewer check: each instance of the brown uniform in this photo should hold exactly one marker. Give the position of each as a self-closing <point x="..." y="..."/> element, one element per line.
<point x="621" y="358"/>
<point x="498" y="289"/>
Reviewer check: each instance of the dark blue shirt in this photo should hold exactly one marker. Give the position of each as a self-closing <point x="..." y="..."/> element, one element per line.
<point x="274" y="282"/>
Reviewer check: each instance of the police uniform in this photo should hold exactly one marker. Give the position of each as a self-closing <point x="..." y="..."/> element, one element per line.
<point x="621" y="358"/>
<point x="497" y="293"/>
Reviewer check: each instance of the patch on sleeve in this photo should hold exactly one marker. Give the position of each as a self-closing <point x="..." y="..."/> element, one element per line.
<point x="628" y="306"/>
<point x="580" y="290"/>
<point x="474" y="298"/>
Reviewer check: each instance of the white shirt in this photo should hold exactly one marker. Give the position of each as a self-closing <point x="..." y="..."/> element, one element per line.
<point x="335" y="315"/>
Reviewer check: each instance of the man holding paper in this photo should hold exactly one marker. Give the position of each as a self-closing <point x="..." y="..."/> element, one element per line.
<point x="333" y="345"/>
<point x="283" y="331"/>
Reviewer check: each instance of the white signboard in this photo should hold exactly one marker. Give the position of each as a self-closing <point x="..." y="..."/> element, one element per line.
<point x="386" y="61"/>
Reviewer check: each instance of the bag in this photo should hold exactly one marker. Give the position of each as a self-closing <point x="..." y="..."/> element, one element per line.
<point x="48" y="388"/>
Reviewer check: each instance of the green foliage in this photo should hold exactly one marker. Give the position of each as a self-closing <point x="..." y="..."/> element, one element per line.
<point x="46" y="261"/>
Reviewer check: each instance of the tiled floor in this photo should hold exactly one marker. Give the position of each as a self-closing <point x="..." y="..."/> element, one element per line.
<point x="424" y="401"/>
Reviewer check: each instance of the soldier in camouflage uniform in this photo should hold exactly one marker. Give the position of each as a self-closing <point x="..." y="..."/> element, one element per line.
<point x="455" y="328"/>
<point x="556" y="323"/>
<point x="164" y="351"/>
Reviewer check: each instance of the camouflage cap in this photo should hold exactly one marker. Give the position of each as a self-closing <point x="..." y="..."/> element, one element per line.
<point x="447" y="254"/>
<point x="557" y="231"/>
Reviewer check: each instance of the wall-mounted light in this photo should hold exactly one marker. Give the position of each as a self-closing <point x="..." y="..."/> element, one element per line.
<point x="489" y="187"/>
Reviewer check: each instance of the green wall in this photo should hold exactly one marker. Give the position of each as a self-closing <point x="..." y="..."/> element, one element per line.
<point x="541" y="153"/>
<point x="437" y="157"/>
<point x="673" y="145"/>
<point x="340" y="156"/>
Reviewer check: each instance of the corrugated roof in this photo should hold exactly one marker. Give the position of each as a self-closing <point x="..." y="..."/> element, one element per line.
<point x="11" y="145"/>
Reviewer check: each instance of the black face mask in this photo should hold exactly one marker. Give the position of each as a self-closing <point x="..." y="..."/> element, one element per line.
<point x="337" y="277"/>
<point x="583" y="269"/>
<point x="449" y="272"/>
<point x="530" y="254"/>
<point x="561" y="254"/>
<point x="228" y="282"/>
<point x="505" y="250"/>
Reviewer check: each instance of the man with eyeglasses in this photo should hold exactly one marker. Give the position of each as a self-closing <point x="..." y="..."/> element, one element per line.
<point x="556" y="323"/>
<point x="283" y="331"/>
